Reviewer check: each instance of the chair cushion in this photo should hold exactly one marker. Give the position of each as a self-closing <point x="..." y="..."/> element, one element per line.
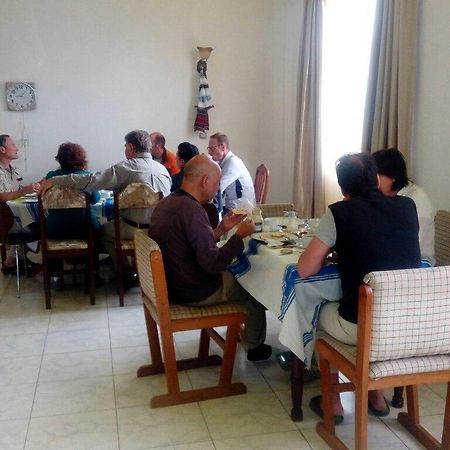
<point x="410" y="313"/>
<point x="178" y="312"/>
<point x="60" y="244"/>
<point x="402" y="366"/>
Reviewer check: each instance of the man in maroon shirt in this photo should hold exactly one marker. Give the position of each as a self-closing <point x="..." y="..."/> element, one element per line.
<point x="195" y="267"/>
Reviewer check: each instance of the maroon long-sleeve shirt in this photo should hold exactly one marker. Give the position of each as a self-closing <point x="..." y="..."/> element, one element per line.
<point x="192" y="261"/>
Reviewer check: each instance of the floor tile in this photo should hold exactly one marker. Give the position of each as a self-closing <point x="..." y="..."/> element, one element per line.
<point x="84" y="431"/>
<point x="245" y="416"/>
<point x="16" y="401"/>
<point x="128" y="359"/>
<point x="19" y="370"/>
<point x="126" y="316"/>
<point x="76" y="341"/>
<point x="13" y="434"/>
<point x="84" y="319"/>
<point x="24" y="325"/>
<point x="128" y="336"/>
<point x="285" y="440"/>
<point x="68" y="366"/>
<point x="133" y="391"/>
<point x="22" y="345"/>
<point x="141" y="426"/>
<point x="72" y="396"/>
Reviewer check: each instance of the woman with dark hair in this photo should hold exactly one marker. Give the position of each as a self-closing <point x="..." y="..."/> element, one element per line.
<point x="394" y="180"/>
<point x="186" y="151"/>
<point x="70" y="223"/>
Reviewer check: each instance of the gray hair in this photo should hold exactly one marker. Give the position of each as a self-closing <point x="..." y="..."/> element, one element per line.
<point x="139" y="139"/>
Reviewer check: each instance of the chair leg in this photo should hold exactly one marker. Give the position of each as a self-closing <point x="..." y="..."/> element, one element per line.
<point x="446" y="429"/>
<point x="397" y="398"/>
<point x="203" y="347"/>
<point x="157" y="365"/>
<point x="361" y="413"/>
<point x="229" y="353"/>
<point x="17" y="270"/>
<point x="410" y="420"/>
<point x="46" y="278"/>
<point x="24" y="260"/>
<point x="120" y="274"/>
<point x="297" y="388"/>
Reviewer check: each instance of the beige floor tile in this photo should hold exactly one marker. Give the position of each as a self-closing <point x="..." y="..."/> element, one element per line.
<point x="207" y="445"/>
<point x="245" y="415"/>
<point x="133" y="391"/>
<point x="16" y="401"/>
<point x="128" y="359"/>
<point x="68" y="366"/>
<point x="83" y="319"/>
<point x="141" y="426"/>
<point x="13" y="434"/>
<point x="83" y="431"/>
<point x="17" y="346"/>
<point x="244" y="372"/>
<point x="24" y="325"/>
<point x="130" y="336"/>
<point x="73" y="396"/>
<point x="274" y="441"/>
<point x="19" y="370"/>
<point x="77" y="341"/>
<point x="131" y="315"/>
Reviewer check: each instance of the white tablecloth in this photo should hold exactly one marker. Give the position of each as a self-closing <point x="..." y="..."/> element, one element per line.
<point x="272" y="279"/>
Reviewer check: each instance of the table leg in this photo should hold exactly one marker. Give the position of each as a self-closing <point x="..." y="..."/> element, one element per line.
<point x="297" y="388"/>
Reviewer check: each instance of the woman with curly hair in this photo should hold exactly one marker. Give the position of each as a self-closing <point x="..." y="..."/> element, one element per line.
<point x="70" y="223"/>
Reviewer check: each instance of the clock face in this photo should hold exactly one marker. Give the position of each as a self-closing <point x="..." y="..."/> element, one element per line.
<point x="20" y="96"/>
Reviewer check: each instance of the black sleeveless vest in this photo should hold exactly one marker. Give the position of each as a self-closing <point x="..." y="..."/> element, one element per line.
<point x="373" y="232"/>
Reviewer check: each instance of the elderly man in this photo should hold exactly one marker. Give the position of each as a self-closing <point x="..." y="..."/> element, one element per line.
<point x="139" y="167"/>
<point x="370" y="232"/>
<point x="194" y="265"/>
<point x="236" y="183"/>
<point x="10" y="188"/>
<point x="160" y="153"/>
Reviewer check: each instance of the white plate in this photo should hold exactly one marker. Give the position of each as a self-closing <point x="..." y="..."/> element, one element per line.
<point x="31" y="200"/>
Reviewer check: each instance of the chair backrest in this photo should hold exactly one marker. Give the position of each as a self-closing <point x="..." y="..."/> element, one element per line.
<point x="6" y="219"/>
<point x="261" y="183"/>
<point x="137" y="196"/>
<point x="442" y="238"/>
<point x="63" y="197"/>
<point x="275" y="209"/>
<point x="151" y="270"/>
<point x="410" y="313"/>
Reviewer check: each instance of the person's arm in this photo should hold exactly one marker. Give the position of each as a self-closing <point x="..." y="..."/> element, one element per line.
<point x="229" y="220"/>
<point x="28" y="189"/>
<point x="311" y="260"/>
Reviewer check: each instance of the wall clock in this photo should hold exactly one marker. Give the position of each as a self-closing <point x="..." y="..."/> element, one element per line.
<point x="20" y="96"/>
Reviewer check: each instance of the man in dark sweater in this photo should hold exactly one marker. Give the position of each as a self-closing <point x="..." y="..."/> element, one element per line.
<point x="370" y="232"/>
<point x="195" y="267"/>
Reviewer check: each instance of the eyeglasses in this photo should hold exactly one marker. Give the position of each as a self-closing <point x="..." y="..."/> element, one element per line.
<point x="213" y="146"/>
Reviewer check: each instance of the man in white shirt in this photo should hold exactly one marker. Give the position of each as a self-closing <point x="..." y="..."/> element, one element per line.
<point x="236" y="184"/>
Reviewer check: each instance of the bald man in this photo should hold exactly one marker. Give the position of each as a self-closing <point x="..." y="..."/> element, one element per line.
<point x="195" y="267"/>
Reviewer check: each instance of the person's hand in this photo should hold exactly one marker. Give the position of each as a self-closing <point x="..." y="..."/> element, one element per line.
<point x="230" y="219"/>
<point x="246" y="228"/>
<point x="45" y="185"/>
<point x="31" y="188"/>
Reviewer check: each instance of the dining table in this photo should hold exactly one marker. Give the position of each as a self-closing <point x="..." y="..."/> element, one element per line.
<point x="25" y="209"/>
<point x="267" y="269"/>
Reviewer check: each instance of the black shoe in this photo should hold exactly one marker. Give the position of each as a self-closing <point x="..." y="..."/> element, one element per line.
<point x="131" y="280"/>
<point x="314" y="404"/>
<point x="57" y="283"/>
<point x="260" y="353"/>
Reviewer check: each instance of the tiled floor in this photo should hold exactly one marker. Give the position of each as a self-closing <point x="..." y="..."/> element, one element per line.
<point x="68" y="381"/>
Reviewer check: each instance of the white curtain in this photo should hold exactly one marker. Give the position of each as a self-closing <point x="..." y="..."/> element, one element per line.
<point x="391" y="87"/>
<point x="308" y="181"/>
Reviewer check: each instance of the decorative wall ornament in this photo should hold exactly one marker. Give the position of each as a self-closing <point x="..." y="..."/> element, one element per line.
<point x="201" y="123"/>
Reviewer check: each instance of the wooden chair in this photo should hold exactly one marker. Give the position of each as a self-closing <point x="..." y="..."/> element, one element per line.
<point x="275" y="209"/>
<point x="261" y="184"/>
<point x="133" y="196"/>
<point x="403" y="340"/>
<point x="59" y="197"/>
<point x="172" y="318"/>
<point x="442" y="238"/>
<point x="17" y="240"/>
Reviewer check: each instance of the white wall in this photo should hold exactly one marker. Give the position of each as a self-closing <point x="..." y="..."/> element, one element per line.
<point x="104" y="67"/>
<point x="431" y="148"/>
